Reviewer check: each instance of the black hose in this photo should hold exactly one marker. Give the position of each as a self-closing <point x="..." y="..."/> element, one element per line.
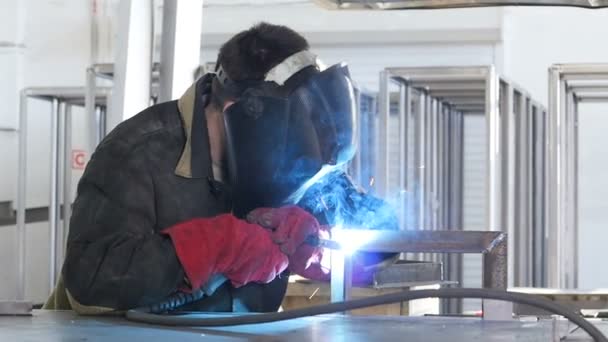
<point x="522" y="298"/>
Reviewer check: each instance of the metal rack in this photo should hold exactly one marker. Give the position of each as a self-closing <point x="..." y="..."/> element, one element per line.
<point x="61" y="99"/>
<point x="428" y="105"/>
<point x="569" y="85"/>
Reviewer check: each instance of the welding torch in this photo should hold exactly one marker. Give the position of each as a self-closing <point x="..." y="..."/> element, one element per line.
<point x="316" y="241"/>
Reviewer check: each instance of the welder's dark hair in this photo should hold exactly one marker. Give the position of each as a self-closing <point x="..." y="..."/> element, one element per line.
<point x="250" y="54"/>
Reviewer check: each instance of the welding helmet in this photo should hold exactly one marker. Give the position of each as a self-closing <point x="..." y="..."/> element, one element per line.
<point x="282" y="130"/>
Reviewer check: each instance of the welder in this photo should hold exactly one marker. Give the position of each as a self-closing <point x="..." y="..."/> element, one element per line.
<point x="230" y="180"/>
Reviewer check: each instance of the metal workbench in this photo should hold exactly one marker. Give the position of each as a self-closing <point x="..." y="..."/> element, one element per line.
<point x="67" y="326"/>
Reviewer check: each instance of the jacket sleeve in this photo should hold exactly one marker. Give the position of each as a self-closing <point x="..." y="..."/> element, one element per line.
<point x="116" y="258"/>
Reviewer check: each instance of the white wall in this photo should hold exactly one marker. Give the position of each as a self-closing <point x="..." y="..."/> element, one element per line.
<point x="47" y="44"/>
<point x="535" y="38"/>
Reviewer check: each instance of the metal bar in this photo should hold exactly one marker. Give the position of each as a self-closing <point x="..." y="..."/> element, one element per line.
<point x="67" y="185"/>
<point x="593" y="98"/>
<point x="428" y="169"/>
<point x="21" y="195"/>
<point x="441" y="241"/>
<point x="575" y="173"/>
<point x="539" y="186"/>
<point x="551" y="188"/>
<point x="341" y="276"/>
<point x="355" y="165"/>
<point x="525" y="263"/>
<point x="493" y="133"/>
<point x="91" y="123"/>
<point x="572" y="247"/>
<point x="404" y="113"/>
<point x="508" y="179"/>
<point x="383" y="143"/>
<point x="588" y="88"/>
<point x="493" y="246"/>
<point x="54" y="196"/>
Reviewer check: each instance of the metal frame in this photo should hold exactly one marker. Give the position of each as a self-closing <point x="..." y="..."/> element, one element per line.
<point x="569" y="85"/>
<point x="62" y="100"/>
<point x="492" y="245"/>
<point x="435" y="4"/>
<point x="429" y="104"/>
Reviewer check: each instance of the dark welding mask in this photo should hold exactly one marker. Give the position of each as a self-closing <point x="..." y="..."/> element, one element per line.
<point x="282" y="131"/>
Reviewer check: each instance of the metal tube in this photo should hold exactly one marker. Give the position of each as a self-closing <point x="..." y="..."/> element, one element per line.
<point x="527" y="236"/>
<point x="493" y="134"/>
<point x="539" y="186"/>
<point x="404" y="105"/>
<point x="21" y="195"/>
<point x="419" y="160"/>
<point x="495" y="273"/>
<point x="356" y="162"/>
<point x="341" y="276"/>
<point x="575" y="173"/>
<point x="492" y="244"/>
<point x="384" y="115"/>
<point x="67" y="184"/>
<point x="508" y="179"/>
<point x="90" y="118"/>
<point x="571" y="156"/>
<point x="552" y="189"/>
<point x="565" y="238"/>
<point x="433" y="168"/>
<point x="428" y="169"/>
<point x="53" y="200"/>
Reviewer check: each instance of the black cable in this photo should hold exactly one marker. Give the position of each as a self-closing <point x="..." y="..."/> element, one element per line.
<point x="521" y="298"/>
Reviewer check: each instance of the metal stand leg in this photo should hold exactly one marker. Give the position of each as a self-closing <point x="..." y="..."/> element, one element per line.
<point x="54" y="201"/>
<point x="21" y="196"/>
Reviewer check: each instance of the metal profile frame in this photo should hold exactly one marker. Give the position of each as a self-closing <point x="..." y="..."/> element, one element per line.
<point x="492" y="245"/>
<point x="431" y="103"/>
<point x="569" y="85"/>
<point x="436" y="4"/>
<point x="62" y="99"/>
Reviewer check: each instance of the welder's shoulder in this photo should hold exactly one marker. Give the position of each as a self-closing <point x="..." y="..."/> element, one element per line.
<point x="161" y="121"/>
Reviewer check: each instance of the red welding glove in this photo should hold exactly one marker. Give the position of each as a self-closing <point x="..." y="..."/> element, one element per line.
<point x="290" y="227"/>
<point x="241" y="251"/>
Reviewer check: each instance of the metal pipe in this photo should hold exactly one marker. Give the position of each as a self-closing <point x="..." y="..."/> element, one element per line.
<point x="509" y="179"/>
<point x="419" y="160"/>
<point x="54" y="196"/>
<point x="383" y="143"/>
<point x="551" y="188"/>
<point x="91" y="123"/>
<point x="492" y="244"/>
<point x="341" y="276"/>
<point x="21" y="195"/>
<point x="67" y="184"/>
<point x="403" y="116"/>
<point x="575" y="208"/>
<point x="493" y="133"/>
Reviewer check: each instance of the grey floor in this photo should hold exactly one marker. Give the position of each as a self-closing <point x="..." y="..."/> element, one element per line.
<point x="66" y="326"/>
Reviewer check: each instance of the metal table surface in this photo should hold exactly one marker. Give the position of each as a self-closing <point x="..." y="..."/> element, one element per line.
<point x="67" y="326"/>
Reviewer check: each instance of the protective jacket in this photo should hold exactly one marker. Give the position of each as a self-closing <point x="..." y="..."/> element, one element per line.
<point x="150" y="173"/>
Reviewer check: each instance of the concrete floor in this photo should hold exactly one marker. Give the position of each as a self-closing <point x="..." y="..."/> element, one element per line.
<point x="66" y="326"/>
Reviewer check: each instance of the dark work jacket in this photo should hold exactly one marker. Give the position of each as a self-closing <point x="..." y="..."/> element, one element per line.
<point x="151" y="172"/>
